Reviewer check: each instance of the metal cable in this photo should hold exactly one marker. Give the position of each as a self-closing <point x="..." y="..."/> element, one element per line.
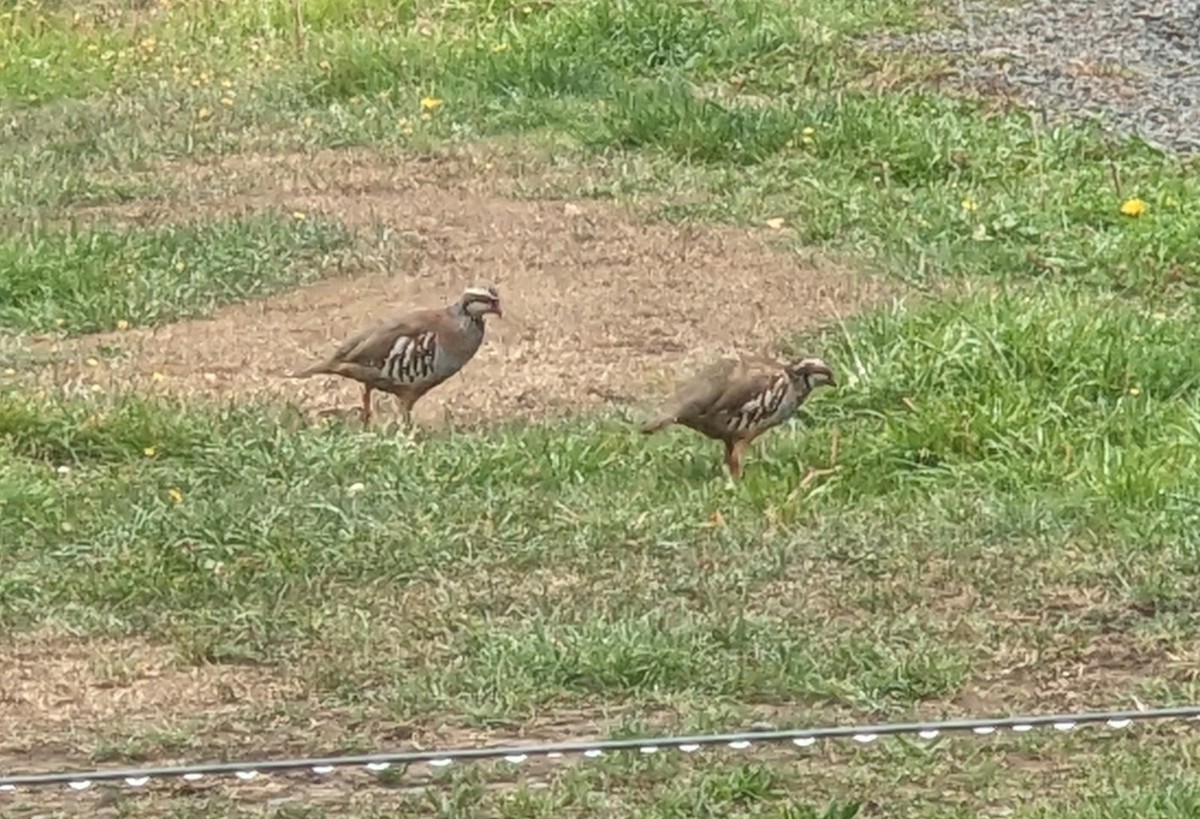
<point x="248" y="769"/>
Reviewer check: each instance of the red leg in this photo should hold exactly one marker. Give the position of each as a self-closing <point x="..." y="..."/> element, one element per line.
<point x="406" y="406"/>
<point x="733" y="457"/>
<point x="366" y="405"/>
<point x="731" y="462"/>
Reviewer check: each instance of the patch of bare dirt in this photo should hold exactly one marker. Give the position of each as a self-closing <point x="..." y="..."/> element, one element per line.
<point x="63" y="698"/>
<point x="599" y="306"/>
<point x="60" y="697"/>
<point x="56" y="694"/>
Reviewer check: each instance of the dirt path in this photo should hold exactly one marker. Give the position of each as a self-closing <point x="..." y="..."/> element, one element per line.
<point x="599" y="306"/>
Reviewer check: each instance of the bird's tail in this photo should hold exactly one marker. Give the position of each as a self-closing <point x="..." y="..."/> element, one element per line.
<point x="315" y="369"/>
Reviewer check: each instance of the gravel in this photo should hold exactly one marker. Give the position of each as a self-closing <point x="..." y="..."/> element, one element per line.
<point x="1134" y="63"/>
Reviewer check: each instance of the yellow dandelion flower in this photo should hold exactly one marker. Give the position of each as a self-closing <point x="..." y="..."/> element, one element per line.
<point x="298" y="216"/>
<point x="175" y="495"/>
<point x="1135" y="392"/>
<point x="970" y="205"/>
<point x="1133" y="207"/>
<point x="809" y="131"/>
<point x="97" y="388"/>
<point x="180" y="266"/>
<point x="157" y="377"/>
<point x="122" y="325"/>
<point x="10" y="371"/>
<point x="430" y="103"/>
<point x="149" y="452"/>
<point x="60" y="322"/>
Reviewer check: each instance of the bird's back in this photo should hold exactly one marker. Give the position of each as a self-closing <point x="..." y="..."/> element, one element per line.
<point x="710" y="401"/>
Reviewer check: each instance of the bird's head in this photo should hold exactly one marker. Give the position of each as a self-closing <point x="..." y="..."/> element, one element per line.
<point x="479" y="300"/>
<point x="812" y="373"/>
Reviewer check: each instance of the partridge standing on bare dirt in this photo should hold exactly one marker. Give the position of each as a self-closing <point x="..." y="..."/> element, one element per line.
<point x="411" y="352"/>
<point x="737" y="399"/>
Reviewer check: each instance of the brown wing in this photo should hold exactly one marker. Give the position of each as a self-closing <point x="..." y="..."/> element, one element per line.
<point x="370" y="347"/>
<point x="741" y="390"/>
<point x="723" y="385"/>
<point x="702" y="389"/>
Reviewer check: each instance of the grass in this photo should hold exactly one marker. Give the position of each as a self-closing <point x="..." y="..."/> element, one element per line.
<point x="744" y="115"/>
<point x="1085" y="429"/>
<point x="105" y="278"/>
<point x="1068" y="495"/>
<point x="1011" y="514"/>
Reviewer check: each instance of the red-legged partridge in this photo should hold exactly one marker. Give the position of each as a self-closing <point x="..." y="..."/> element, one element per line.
<point x="411" y="352"/>
<point x="736" y="400"/>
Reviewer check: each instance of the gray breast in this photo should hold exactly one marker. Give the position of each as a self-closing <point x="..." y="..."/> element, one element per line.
<point x="458" y="346"/>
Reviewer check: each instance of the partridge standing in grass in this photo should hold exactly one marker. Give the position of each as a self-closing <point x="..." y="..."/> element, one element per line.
<point x="737" y="399"/>
<point x="410" y="353"/>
